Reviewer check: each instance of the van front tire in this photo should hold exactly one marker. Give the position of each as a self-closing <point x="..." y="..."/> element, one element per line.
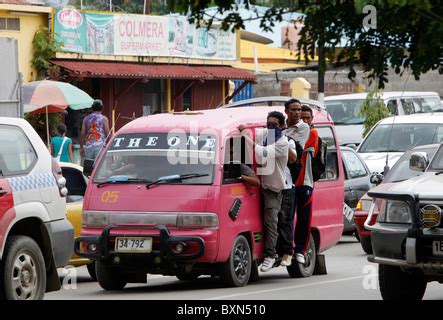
<point x="109" y="278"/>
<point x="23" y="270"/>
<point x="237" y="270"/>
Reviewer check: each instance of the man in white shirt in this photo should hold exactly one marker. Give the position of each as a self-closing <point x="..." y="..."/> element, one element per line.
<point x="274" y="154"/>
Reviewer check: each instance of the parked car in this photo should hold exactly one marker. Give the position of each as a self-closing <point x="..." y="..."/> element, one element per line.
<point x="345" y="109"/>
<point x="393" y="136"/>
<point x="35" y="236"/>
<point x="407" y="239"/>
<point x="76" y="183"/>
<point x="399" y="172"/>
<point x="357" y="183"/>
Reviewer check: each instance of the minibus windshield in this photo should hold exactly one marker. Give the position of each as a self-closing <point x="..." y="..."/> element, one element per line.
<point x="149" y="157"/>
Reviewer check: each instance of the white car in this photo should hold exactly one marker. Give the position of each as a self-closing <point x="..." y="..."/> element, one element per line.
<point x="344" y="110"/>
<point x="35" y="236"/>
<point x="393" y="136"/>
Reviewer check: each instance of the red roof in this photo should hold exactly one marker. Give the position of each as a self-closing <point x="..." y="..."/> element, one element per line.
<point x="93" y="69"/>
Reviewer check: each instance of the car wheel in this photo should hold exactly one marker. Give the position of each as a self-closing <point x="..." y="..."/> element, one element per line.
<point x="357" y="236"/>
<point x="396" y="284"/>
<point x="23" y="270"/>
<point x="297" y="270"/>
<point x="91" y="271"/>
<point x="109" y="278"/>
<point x="237" y="270"/>
<point x="366" y="244"/>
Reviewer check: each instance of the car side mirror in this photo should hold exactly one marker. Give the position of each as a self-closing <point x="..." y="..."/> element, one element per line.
<point x="376" y="179"/>
<point x="419" y="161"/>
<point x="232" y="170"/>
<point x="88" y="166"/>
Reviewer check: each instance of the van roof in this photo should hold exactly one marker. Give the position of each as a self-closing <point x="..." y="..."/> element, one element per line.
<point x="415" y="118"/>
<point x="12" y="121"/>
<point x="217" y="119"/>
<point x="385" y="95"/>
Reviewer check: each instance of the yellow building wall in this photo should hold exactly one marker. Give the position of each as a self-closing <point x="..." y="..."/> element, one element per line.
<point x="30" y="22"/>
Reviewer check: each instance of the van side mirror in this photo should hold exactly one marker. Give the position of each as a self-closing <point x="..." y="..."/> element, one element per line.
<point x="376" y="179"/>
<point x="232" y="170"/>
<point x="419" y="161"/>
<point x="88" y="166"/>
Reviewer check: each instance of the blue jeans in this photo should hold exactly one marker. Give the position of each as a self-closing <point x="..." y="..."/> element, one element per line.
<point x="92" y="152"/>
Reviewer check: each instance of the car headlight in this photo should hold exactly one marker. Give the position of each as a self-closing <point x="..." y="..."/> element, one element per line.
<point x="364" y="205"/>
<point x="397" y="212"/>
<point x="197" y="220"/>
<point x="95" y="219"/>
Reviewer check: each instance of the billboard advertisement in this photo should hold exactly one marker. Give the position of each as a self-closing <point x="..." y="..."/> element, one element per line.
<point x="140" y="35"/>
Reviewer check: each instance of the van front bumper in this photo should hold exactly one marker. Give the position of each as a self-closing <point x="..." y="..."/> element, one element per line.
<point x="163" y="243"/>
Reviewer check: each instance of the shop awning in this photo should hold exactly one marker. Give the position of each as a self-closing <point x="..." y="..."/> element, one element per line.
<point x="94" y="69"/>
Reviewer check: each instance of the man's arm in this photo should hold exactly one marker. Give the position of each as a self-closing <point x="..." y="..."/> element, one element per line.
<point x="106" y="126"/>
<point x="82" y="137"/>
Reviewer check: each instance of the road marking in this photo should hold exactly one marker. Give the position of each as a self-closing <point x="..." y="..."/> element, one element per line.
<point x="284" y="288"/>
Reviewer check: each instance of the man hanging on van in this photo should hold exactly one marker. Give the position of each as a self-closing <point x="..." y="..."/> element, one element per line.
<point x="273" y="155"/>
<point x="297" y="132"/>
<point x="304" y="189"/>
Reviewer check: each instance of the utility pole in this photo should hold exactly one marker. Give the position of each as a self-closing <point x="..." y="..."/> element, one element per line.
<point x="321" y="62"/>
<point x="147" y="7"/>
<point x="321" y="68"/>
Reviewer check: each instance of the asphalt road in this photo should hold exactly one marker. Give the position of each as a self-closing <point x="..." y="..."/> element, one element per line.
<point x="350" y="277"/>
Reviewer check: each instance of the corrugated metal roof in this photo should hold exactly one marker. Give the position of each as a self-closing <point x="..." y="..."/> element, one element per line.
<point x="95" y="69"/>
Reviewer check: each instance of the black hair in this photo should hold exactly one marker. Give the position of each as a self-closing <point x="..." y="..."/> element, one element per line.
<point x="97" y="105"/>
<point x="307" y="108"/>
<point x="291" y="101"/>
<point x="61" y="128"/>
<point x="278" y="115"/>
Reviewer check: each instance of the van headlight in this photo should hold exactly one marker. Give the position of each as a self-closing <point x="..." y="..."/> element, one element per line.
<point x="397" y="212"/>
<point x="95" y="219"/>
<point x="197" y="220"/>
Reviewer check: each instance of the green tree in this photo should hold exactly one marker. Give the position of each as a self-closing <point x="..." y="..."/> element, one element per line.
<point x="44" y="50"/>
<point x="408" y="36"/>
<point x="373" y="110"/>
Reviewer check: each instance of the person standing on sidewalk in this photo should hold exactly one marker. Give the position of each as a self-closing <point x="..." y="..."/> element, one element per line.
<point x="95" y="129"/>
<point x="273" y="156"/>
<point x="61" y="145"/>
<point x="297" y="132"/>
<point x="304" y="188"/>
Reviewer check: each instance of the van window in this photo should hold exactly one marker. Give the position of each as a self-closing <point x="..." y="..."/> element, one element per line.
<point x="421" y="105"/>
<point x="151" y="156"/>
<point x="345" y="111"/>
<point x="17" y="156"/>
<point x="331" y="170"/>
<point x="392" y="107"/>
<point x="398" y="137"/>
<point x="236" y="151"/>
<point x="326" y="134"/>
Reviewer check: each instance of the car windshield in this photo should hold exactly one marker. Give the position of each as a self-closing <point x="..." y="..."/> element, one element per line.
<point x="399" y="137"/>
<point x="401" y="171"/>
<point x="152" y="156"/>
<point x="437" y="161"/>
<point x="345" y="111"/>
